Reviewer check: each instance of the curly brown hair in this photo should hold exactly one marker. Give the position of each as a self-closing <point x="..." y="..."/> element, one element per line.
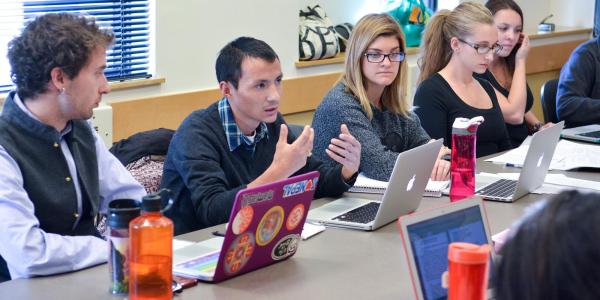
<point x="60" y="40"/>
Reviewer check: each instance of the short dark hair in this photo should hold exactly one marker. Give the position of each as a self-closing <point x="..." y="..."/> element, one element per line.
<point x="229" y="62"/>
<point x="60" y="40"/>
<point x="554" y="252"/>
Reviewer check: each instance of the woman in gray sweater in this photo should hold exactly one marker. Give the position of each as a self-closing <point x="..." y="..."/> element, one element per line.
<point x="370" y="98"/>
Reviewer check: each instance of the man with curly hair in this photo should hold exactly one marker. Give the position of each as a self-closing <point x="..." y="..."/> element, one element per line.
<point x="56" y="175"/>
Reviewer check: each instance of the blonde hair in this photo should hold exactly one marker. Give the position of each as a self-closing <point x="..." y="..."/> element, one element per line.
<point x="435" y="52"/>
<point x="369" y="28"/>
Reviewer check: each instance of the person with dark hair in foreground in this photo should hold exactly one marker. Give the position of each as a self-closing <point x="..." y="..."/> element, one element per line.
<point x="553" y="252"/>
<point x="242" y="141"/>
<point x="56" y="174"/>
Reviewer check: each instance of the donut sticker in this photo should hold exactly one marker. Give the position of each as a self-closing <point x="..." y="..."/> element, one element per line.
<point x="239" y="253"/>
<point x="242" y="220"/>
<point x="295" y="217"/>
<point x="269" y="225"/>
<point x="285" y="247"/>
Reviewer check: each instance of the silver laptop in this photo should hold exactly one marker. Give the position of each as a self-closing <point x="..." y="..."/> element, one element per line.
<point x="589" y="133"/>
<point x="426" y="236"/>
<point x="403" y="195"/>
<point x="536" y="164"/>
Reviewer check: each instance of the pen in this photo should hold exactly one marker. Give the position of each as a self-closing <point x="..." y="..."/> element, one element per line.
<point x="218" y="233"/>
<point x="514" y="165"/>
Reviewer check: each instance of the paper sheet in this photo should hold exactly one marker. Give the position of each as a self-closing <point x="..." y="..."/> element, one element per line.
<point x="311" y="229"/>
<point x="178" y="244"/>
<point x="568" y="155"/>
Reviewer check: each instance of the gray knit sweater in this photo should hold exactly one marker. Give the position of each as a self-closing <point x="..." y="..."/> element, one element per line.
<point x="381" y="138"/>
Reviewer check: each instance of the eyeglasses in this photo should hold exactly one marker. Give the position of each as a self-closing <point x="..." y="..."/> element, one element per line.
<point x="379" y="57"/>
<point x="483" y="49"/>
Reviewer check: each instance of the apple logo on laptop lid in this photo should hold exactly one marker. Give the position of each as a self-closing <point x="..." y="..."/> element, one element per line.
<point x="411" y="182"/>
<point x="539" y="162"/>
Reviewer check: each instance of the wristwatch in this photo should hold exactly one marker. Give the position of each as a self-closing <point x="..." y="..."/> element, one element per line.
<point x="536" y="127"/>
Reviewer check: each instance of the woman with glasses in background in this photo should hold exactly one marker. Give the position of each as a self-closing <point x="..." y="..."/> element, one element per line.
<point x="370" y="98"/>
<point x="456" y="44"/>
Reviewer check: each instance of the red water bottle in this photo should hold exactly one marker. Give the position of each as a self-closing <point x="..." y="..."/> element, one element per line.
<point x="151" y="252"/>
<point x="468" y="271"/>
<point x="462" y="168"/>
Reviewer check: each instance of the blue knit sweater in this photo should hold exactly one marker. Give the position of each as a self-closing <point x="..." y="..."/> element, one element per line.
<point x="382" y="138"/>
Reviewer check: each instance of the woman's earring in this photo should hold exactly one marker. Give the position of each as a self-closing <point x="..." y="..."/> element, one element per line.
<point x="62" y="91"/>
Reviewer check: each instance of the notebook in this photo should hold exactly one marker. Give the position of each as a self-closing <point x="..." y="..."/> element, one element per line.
<point x="535" y="167"/>
<point x="426" y="236"/>
<point x="588" y="133"/>
<point x="365" y="184"/>
<point x="264" y="228"/>
<point x="403" y="195"/>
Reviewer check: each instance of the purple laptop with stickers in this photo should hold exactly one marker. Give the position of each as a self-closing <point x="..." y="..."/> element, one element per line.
<point x="264" y="228"/>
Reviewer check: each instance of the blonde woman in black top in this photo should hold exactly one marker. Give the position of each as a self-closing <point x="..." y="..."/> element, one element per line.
<point x="457" y="44"/>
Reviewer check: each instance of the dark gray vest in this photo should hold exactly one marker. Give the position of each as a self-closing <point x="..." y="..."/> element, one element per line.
<point x="46" y="178"/>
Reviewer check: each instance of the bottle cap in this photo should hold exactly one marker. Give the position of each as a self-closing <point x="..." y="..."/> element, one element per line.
<point x="152" y="202"/>
<point x="121" y="211"/>
<point x="466" y="126"/>
<point x="466" y="253"/>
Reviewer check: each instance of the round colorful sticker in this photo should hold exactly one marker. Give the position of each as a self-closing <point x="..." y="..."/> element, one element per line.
<point x="242" y="219"/>
<point x="295" y="216"/>
<point x="269" y="225"/>
<point x="239" y="253"/>
<point x="285" y="247"/>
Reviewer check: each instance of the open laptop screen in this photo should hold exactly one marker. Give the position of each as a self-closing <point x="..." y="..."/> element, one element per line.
<point x="430" y="240"/>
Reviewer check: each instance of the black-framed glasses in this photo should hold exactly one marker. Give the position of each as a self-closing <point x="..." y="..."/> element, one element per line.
<point x="379" y="57"/>
<point x="495" y="48"/>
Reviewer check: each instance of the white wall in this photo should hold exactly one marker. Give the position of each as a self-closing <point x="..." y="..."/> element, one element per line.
<point x="579" y="13"/>
<point x="189" y="33"/>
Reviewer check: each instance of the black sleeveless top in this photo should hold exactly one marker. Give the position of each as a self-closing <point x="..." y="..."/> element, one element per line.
<point x="517" y="133"/>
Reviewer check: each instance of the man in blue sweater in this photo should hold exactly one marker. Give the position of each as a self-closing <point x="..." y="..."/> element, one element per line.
<point x="242" y="141"/>
<point x="578" y="93"/>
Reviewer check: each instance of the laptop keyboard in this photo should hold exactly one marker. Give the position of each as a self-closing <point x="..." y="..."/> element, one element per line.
<point x="501" y="189"/>
<point x="593" y="134"/>
<point x="363" y="214"/>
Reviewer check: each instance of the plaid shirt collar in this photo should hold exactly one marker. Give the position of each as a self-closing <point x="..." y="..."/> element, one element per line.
<point x="235" y="137"/>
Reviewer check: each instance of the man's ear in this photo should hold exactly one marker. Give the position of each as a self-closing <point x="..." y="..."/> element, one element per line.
<point x="225" y="88"/>
<point x="57" y="78"/>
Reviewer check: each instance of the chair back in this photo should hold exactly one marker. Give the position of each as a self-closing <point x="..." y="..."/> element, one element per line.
<point x="548" y="98"/>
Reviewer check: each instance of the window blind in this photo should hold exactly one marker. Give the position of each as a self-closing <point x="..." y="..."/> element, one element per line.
<point x="128" y="19"/>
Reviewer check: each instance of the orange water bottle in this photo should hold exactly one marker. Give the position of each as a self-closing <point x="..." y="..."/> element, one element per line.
<point x="468" y="271"/>
<point x="151" y="252"/>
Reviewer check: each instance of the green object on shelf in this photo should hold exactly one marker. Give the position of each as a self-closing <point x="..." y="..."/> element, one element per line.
<point x="411" y="15"/>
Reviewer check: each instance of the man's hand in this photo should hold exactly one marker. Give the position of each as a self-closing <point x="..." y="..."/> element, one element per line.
<point x="288" y="158"/>
<point x="346" y="150"/>
<point x="292" y="157"/>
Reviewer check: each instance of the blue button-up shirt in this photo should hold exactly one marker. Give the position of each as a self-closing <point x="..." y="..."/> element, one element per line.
<point x="29" y="250"/>
<point x="235" y="137"/>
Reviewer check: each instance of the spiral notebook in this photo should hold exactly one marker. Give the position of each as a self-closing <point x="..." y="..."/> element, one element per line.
<point x="365" y="184"/>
